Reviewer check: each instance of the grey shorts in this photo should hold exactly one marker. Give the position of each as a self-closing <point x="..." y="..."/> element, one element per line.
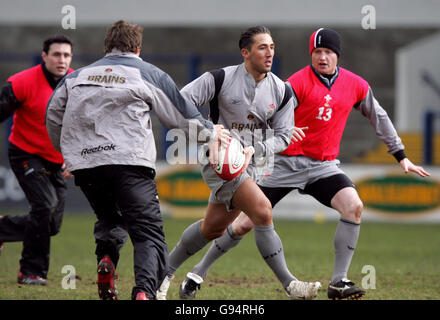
<point x="222" y="191"/>
<point x="298" y="171"/>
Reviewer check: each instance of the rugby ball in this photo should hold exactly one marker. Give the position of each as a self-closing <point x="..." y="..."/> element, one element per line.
<point x="230" y="160"/>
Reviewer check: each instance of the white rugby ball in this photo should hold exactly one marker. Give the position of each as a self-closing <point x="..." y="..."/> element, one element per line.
<point x="231" y="160"/>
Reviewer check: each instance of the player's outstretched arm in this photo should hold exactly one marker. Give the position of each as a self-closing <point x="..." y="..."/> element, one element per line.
<point x="408" y="166"/>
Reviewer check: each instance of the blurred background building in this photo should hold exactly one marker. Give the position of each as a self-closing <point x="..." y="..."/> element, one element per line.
<point x="392" y="44"/>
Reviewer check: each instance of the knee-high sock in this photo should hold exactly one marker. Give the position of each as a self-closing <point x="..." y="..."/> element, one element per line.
<point x="190" y="242"/>
<point x="270" y="246"/>
<point x="346" y="237"/>
<point x="218" y="248"/>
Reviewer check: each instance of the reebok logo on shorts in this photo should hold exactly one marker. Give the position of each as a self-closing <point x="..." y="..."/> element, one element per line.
<point x="109" y="147"/>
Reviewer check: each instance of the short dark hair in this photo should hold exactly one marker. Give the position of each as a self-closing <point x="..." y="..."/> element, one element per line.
<point x="58" y="38"/>
<point x="247" y="37"/>
<point x="124" y="36"/>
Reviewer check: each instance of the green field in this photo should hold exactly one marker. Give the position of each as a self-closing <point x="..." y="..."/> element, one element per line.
<point x="406" y="259"/>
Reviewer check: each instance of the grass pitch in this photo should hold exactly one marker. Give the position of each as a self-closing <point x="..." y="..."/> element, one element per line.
<point x="405" y="258"/>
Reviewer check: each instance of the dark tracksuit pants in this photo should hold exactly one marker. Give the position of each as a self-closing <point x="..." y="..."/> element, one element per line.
<point x="45" y="190"/>
<point x="124" y="199"/>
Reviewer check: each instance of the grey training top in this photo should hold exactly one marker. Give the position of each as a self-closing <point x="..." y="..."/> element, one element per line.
<point x="100" y="114"/>
<point x="253" y="112"/>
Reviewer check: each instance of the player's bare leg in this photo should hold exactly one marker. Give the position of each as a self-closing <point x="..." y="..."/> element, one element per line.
<point x="251" y="200"/>
<point x="262" y="209"/>
<point x="216" y="220"/>
<point x="213" y="226"/>
<point x="223" y="244"/>
<point x="350" y="206"/>
<point x="259" y="210"/>
<point x="242" y="225"/>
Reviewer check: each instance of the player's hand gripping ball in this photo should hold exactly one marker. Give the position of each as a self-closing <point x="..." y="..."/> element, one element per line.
<point x="230" y="160"/>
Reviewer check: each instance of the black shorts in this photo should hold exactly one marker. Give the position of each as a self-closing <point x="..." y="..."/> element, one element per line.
<point x="322" y="190"/>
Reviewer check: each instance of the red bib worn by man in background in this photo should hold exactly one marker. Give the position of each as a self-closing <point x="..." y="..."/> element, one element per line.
<point x="31" y="87"/>
<point x="36" y="164"/>
<point x="327" y="122"/>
